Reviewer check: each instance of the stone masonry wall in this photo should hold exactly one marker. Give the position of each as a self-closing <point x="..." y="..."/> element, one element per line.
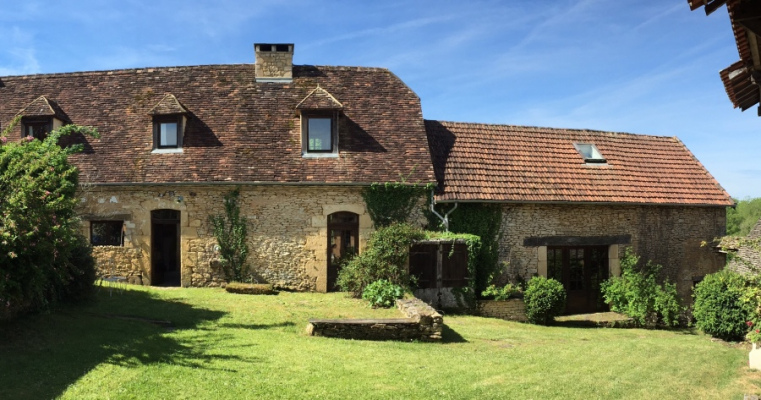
<point x="670" y="236"/>
<point x="287" y="236"/>
<point x="511" y="309"/>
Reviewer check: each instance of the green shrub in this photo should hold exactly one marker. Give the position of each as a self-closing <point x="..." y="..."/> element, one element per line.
<point x="503" y="293"/>
<point x="545" y="299"/>
<point x="81" y="272"/>
<point x="382" y="293"/>
<point x="385" y="258"/>
<point x="719" y="308"/>
<point x="637" y="294"/>
<point x="250" y="288"/>
<point x="43" y="257"/>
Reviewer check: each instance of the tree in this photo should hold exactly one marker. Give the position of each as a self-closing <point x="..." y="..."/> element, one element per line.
<point x="43" y="256"/>
<point x="740" y="220"/>
<point x="231" y="231"/>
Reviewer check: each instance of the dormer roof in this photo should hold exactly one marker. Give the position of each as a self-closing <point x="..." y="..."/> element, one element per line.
<point x="319" y="99"/>
<point x="43" y="107"/>
<point x="169" y="105"/>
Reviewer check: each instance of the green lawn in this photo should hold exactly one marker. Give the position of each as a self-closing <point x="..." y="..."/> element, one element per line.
<point x="222" y="345"/>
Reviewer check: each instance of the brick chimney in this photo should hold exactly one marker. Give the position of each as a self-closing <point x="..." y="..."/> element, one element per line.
<point x="274" y="62"/>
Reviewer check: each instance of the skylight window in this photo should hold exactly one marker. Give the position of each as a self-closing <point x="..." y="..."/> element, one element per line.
<point x="590" y="153"/>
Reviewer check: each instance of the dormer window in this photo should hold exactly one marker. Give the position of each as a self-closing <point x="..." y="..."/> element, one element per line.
<point x="590" y="153"/>
<point x="40" y="117"/>
<point x="319" y="133"/>
<point x="319" y="123"/>
<point x="169" y="118"/>
<point x="166" y="131"/>
<point x="37" y="128"/>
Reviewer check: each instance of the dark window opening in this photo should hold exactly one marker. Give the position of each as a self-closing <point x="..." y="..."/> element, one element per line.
<point x="167" y="132"/>
<point x="265" y="47"/>
<point x="281" y="47"/>
<point x="107" y="233"/>
<point x="38" y="129"/>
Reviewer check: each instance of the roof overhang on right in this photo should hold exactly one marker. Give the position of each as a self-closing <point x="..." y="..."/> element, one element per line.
<point x="742" y="79"/>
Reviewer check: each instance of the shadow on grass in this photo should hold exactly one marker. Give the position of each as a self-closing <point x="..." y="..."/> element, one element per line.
<point x="41" y="355"/>
<point x="258" y="326"/>
<point x="448" y="335"/>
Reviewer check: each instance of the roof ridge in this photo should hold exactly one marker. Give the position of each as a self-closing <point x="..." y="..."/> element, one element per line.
<point x="180" y="67"/>
<point x="554" y="129"/>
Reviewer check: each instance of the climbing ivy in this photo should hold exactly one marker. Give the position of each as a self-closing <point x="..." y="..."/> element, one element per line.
<point x="231" y="231"/>
<point x="484" y="221"/>
<point x="465" y="296"/>
<point x="393" y="201"/>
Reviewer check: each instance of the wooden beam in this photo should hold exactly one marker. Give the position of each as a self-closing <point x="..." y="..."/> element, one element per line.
<point x="714" y="5"/>
<point x="576" y="240"/>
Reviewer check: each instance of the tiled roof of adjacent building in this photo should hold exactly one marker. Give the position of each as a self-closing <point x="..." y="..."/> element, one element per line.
<point x="738" y="78"/>
<point x="504" y="163"/>
<point x="237" y="130"/>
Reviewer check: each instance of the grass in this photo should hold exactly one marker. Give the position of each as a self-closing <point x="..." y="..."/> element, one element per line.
<point x="222" y="345"/>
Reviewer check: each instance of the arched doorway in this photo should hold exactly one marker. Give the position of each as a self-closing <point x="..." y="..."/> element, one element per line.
<point x="165" y="248"/>
<point x="343" y="241"/>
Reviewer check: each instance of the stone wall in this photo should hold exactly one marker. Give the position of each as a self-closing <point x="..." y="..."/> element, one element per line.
<point x="287" y="235"/>
<point x="511" y="309"/>
<point x="747" y="259"/>
<point x="421" y="323"/>
<point x="670" y="236"/>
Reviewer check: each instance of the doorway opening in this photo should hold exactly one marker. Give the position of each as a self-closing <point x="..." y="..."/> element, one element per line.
<point x="165" y="248"/>
<point x="343" y="242"/>
<point x="581" y="270"/>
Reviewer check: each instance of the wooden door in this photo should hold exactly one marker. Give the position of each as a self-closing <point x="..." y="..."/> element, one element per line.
<point x="581" y="270"/>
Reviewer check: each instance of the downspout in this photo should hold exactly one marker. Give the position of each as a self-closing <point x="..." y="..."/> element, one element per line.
<point x="445" y="218"/>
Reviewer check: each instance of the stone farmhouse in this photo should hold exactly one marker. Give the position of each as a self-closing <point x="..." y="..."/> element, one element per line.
<point x="302" y="142"/>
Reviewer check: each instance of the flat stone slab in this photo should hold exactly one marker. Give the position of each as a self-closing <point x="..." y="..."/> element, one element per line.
<point x="604" y="319"/>
<point x="364" y="321"/>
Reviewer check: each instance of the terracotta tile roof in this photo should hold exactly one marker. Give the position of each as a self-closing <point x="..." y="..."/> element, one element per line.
<point x="504" y="163"/>
<point x="237" y="130"/>
<point x="737" y="78"/>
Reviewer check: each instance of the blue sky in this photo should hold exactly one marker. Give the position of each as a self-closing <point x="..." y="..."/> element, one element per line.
<point x="636" y="66"/>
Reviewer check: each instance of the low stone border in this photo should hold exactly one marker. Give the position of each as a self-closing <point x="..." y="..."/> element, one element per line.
<point x="510" y="309"/>
<point x="422" y="323"/>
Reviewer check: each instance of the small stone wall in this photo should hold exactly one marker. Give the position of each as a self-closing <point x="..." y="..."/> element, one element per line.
<point x="422" y="323"/>
<point x="511" y="309"/>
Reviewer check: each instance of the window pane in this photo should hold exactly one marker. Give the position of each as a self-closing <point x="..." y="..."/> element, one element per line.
<point x="37" y="130"/>
<point x="106" y="233"/>
<point x="319" y="130"/>
<point x="168" y="134"/>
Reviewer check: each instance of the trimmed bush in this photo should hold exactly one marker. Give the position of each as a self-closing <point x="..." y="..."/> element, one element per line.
<point x="382" y="293"/>
<point x="385" y="258"/>
<point x="250" y="288"/>
<point x="719" y="308"/>
<point x="637" y="294"/>
<point x="544" y="299"/>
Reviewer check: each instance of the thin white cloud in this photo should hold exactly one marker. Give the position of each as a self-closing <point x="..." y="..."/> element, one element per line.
<point x="17" y="52"/>
<point x="395" y="28"/>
